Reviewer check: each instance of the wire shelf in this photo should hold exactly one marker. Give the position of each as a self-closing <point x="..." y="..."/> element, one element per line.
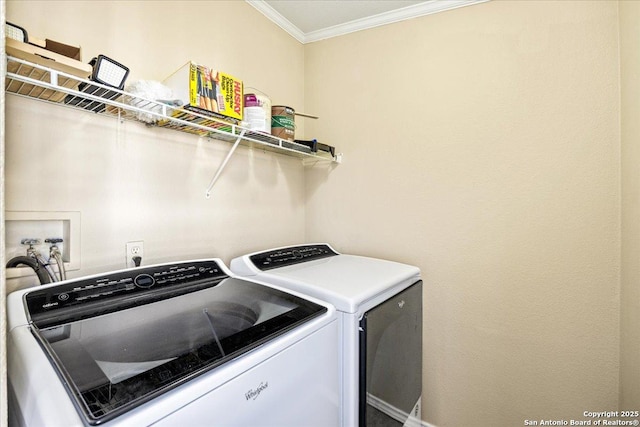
<point x="46" y="84"/>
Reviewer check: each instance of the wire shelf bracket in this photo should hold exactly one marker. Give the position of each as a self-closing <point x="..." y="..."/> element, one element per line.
<point x="224" y="164"/>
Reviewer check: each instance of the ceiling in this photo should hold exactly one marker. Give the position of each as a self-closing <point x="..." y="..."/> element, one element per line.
<point x="313" y="20"/>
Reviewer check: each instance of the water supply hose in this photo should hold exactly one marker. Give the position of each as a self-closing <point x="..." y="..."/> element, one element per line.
<point x="54" y="252"/>
<point x="61" y="270"/>
<point x="43" y="275"/>
<point x="47" y="267"/>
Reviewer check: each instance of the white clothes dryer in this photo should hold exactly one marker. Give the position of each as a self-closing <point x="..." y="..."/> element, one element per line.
<point x="179" y="344"/>
<point x="379" y="306"/>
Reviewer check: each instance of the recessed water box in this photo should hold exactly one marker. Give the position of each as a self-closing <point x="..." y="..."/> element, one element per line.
<point x="21" y="225"/>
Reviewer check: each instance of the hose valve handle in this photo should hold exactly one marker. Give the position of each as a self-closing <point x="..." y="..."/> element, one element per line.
<point x="30" y="242"/>
<point x="54" y="240"/>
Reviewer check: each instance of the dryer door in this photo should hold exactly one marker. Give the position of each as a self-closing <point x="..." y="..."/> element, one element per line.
<point x="391" y="361"/>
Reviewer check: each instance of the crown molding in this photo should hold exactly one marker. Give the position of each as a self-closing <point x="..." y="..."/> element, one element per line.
<point x="264" y="8"/>
<point x="409" y="12"/>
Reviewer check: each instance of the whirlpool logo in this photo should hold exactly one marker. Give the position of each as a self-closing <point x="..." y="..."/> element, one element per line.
<point x="254" y="393"/>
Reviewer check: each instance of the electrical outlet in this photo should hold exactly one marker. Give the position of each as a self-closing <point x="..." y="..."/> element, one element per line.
<point x="134" y="249"/>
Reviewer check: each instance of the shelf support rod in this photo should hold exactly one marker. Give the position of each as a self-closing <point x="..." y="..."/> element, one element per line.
<point x="224" y="163"/>
<point x="53" y="77"/>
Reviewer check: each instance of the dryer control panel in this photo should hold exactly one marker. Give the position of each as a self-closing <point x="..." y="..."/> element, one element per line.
<point x="100" y="294"/>
<point x="292" y="255"/>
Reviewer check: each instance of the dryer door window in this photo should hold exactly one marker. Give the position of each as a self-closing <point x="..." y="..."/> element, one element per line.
<point x="391" y="361"/>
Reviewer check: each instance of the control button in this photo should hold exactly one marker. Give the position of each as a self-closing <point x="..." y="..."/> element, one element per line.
<point x="296" y="254"/>
<point x="144" y="281"/>
<point x="63" y="297"/>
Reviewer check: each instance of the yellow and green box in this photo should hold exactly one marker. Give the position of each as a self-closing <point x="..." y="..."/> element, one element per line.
<point x="207" y="90"/>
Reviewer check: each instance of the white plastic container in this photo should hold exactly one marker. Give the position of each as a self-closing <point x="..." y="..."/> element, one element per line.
<point x="257" y="112"/>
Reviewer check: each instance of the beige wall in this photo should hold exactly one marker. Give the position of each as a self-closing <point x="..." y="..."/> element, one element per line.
<point x="482" y="144"/>
<point x="134" y="183"/>
<point x="630" y="142"/>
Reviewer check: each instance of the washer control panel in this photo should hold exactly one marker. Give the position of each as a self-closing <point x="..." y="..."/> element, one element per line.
<point x="138" y="285"/>
<point x="292" y="255"/>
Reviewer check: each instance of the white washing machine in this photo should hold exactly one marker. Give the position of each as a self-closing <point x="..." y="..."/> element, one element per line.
<point x="181" y="344"/>
<point x="379" y="307"/>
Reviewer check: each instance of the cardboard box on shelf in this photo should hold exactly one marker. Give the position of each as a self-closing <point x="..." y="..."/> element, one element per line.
<point x="207" y="91"/>
<point x="46" y="58"/>
<point x="73" y="52"/>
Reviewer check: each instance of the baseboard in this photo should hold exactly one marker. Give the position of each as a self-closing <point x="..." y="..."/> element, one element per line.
<point x="395" y="413"/>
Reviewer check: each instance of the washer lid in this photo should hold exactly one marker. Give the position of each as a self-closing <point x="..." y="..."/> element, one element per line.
<point x="345" y="281"/>
<point x="130" y="353"/>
